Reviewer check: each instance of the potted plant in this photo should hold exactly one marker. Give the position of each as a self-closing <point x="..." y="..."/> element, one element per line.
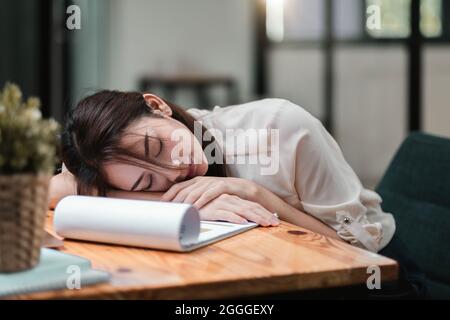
<point x="28" y="146"/>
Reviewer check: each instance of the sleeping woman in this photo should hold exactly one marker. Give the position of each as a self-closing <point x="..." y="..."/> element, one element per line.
<point x="238" y="163"/>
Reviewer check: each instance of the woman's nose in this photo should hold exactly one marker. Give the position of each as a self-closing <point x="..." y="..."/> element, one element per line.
<point x="173" y="176"/>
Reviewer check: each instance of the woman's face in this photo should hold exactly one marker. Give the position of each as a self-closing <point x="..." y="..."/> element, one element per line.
<point x="165" y="140"/>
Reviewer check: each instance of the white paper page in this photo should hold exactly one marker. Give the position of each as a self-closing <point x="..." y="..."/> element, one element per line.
<point x="212" y="231"/>
<point x="151" y="224"/>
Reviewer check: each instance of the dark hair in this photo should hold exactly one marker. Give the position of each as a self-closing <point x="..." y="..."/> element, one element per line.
<point x="93" y="131"/>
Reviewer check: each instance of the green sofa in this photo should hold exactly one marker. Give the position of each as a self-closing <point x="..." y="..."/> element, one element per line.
<point x="416" y="190"/>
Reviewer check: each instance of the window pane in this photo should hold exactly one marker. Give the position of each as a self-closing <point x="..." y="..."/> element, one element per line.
<point x="348" y="19"/>
<point x="395" y="18"/>
<point x="431" y="18"/>
<point x="304" y="19"/>
<point x="290" y="20"/>
<point x="275" y="20"/>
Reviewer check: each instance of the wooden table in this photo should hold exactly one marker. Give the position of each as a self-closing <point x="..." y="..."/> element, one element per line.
<point x="260" y="261"/>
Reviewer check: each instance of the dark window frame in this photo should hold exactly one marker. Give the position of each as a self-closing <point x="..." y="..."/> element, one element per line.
<point x="414" y="42"/>
<point x="367" y="39"/>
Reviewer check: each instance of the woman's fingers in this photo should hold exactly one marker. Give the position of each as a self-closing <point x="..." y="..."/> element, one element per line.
<point x="233" y="208"/>
<point x="194" y="195"/>
<point x="198" y="193"/>
<point x="183" y="194"/>
<point x="252" y="211"/>
<point x="258" y="214"/>
<point x="209" y="195"/>
<point x="190" y="193"/>
<point x="225" y="215"/>
<point x="172" y="192"/>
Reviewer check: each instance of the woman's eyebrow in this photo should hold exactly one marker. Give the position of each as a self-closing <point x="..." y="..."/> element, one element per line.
<point x="137" y="182"/>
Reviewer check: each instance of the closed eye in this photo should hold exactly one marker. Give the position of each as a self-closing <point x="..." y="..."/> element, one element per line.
<point x="149" y="185"/>
<point x="147" y="148"/>
<point x="160" y="147"/>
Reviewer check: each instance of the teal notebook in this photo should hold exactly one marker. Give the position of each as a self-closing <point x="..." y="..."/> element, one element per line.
<point x="56" y="270"/>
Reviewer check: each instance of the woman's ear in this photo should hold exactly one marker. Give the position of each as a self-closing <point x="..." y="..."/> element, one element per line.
<point x="157" y="104"/>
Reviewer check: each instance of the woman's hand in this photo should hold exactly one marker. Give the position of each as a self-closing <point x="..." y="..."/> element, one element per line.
<point x="61" y="185"/>
<point x="231" y="208"/>
<point x="201" y="190"/>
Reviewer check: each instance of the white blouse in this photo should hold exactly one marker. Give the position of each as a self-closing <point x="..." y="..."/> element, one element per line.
<point x="306" y="169"/>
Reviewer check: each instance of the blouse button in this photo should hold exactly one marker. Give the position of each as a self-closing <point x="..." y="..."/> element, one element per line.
<point x="347" y="220"/>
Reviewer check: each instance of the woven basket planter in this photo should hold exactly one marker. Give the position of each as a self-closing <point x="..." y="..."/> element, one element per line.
<point x="23" y="208"/>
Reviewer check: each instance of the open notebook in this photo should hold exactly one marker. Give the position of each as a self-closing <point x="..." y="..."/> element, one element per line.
<point x="149" y="224"/>
<point x="56" y="270"/>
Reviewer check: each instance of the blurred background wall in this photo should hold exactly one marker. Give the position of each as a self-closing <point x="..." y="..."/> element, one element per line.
<point x="369" y="86"/>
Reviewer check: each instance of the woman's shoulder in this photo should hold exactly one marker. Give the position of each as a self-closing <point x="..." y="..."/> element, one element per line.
<point x="271" y="109"/>
<point x="277" y="113"/>
<point x="198" y="113"/>
<point x="264" y="105"/>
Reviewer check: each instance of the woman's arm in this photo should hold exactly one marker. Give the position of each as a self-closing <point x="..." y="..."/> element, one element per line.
<point x="201" y="190"/>
<point x="291" y="214"/>
<point x="155" y="196"/>
<point x="61" y="185"/>
<point x="64" y="184"/>
<point x="225" y="207"/>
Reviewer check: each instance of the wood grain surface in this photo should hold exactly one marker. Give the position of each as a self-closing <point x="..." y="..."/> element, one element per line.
<point x="260" y="261"/>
